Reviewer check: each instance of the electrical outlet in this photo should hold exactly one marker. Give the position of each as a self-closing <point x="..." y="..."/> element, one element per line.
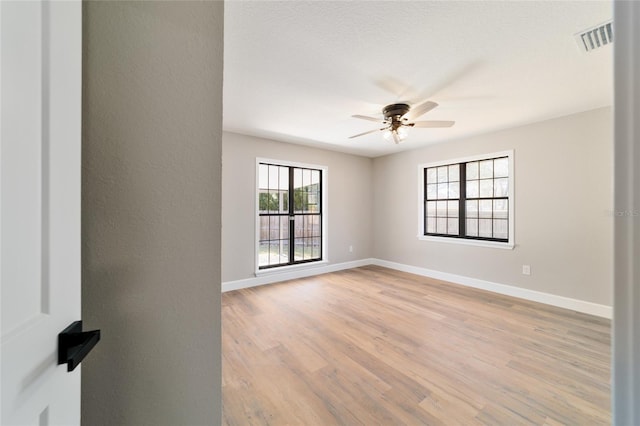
<point x="526" y="269"/>
<point x="350" y="249"/>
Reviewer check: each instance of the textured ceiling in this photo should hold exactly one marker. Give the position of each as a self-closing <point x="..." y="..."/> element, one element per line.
<point x="296" y="71"/>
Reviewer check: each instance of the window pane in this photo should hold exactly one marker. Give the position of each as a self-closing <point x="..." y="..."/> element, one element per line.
<point x="263" y="202"/>
<point x="306" y="205"/>
<point x="432" y="191"/>
<point x="443" y="191"/>
<point x="284" y="251"/>
<point x="315" y="177"/>
<point x="442" y="174"/>
<point x="453" y="227"/>
<point x="485" y="208"/>
<point x="274" y="252"/>
<point x="473" y="189"/>
<point x="299" y="249"/>
<point x="454" y="190"/>
<point x="472" y="208"/>
<point x="502" y="187"/>
<point x="442" y="225"/>
<point x="284" y="178"/>
<point x="303" y="226"/>
<point x="315" y="248"/>
<point x="299" y="226"/>
<point x="501" y="209"/>
<point x="472" y="170"/>
<point x="284" y="227"/>
<point x="484" y="228"/>
<point x="486" y="188"/>
<point x="310" y="226"/>
<point x="300" y="198"/>
<point x="452" y="208"/>
<point x="273" y="177"/>
<point x="264" y="228"/>
<point x="472" y="227"/>
<point x="432" y="175"/>
<point x="431" y="208"/>
<point x="274" y="201"/>
<point x="264" y="198"/>
<point x="297" y="193"/>
<point x="313" y="202"/>
<point x="454" y="173"/>
<point x="263" y="176"/>
<point x="431" y="225"/>
<point x="306" y="177"/>
<point x="442" y="209"/>
<point x="486" y="169"/>
<point x="263" y="253"/>
<point x="315" y="225"/>
<point x="285" y="201"/>
<point x="500" y="228"/>
<point x="274" y="228"/>
<point x="501" y="167"/>
<point x="277" y="201"/>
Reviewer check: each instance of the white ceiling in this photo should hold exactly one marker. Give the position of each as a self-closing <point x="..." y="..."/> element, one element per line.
<point x="296" y="71"/>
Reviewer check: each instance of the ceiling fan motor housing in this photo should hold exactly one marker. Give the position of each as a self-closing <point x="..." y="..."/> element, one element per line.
<point x="393" y="110"/>
<point x="393" y="113"/>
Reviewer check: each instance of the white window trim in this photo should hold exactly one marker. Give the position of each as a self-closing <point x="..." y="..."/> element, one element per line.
<point x="493" y="244"/>
<point x="256" y="248"/>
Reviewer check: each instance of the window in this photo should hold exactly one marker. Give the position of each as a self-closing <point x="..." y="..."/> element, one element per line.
<point x="289" y="214"/>
<point x="469" y="199"/>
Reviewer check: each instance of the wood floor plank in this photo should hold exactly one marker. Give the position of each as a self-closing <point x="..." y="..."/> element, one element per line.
<point x="375" y="346"/>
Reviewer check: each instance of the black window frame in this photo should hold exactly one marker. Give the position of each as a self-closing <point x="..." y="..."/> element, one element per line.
<point x="463" y="199"/>
<point x="291" y="213"/>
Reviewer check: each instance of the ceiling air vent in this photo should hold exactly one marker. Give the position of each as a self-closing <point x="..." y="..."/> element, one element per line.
<point x="595" y="37"/>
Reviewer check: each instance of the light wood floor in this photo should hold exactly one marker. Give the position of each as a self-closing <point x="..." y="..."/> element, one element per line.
<point x="373" y="346"/>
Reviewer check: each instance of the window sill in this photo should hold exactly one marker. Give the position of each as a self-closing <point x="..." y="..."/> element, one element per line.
<point x="462" y="241"/>
<point x="290" y="268"/>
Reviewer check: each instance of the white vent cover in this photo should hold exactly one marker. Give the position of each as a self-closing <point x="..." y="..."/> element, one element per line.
<point x="595" y="37"/>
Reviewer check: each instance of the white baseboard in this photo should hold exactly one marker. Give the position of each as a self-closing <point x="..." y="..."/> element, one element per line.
<point x="293" y="274"/>
<point x="519" y="292"/>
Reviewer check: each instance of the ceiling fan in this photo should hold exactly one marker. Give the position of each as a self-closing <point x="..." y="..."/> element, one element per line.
<point x="397" y="117"/>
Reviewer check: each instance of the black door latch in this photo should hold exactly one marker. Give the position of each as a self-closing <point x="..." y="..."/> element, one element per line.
<point x="74" y="344"/>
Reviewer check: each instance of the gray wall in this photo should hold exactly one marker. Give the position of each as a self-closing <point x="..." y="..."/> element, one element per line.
<point x="626" y="319"/>
<point x="349" y="207"/>
<point x="563" y="208"/>
<point x="152" y="119"/>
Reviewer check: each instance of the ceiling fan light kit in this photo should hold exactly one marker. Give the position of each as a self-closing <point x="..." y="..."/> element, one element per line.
<point x="397" y="120"/>
<point x="396" y="135"/>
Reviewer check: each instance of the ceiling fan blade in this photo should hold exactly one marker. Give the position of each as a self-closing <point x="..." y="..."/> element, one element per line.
<point x="364" y="117"/>
<point x="433" y="123"/>
<point x="423" y="108"/>
<point x="396" y="87"/>
<point x="366" y="133"/>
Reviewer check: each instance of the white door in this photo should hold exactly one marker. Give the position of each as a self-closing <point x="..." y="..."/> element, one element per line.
<point x="40" y="123"/>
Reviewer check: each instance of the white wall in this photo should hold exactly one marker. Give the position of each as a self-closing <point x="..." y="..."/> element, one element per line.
<point x="349" y="204"/>
<point x="563" y="209"/>
<point x="152" y="123"/>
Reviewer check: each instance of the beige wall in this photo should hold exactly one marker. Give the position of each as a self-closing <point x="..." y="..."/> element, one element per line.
<point x="152" y="119"/>
<point x="563" y="204"/>
<point x="348" y="207"/>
